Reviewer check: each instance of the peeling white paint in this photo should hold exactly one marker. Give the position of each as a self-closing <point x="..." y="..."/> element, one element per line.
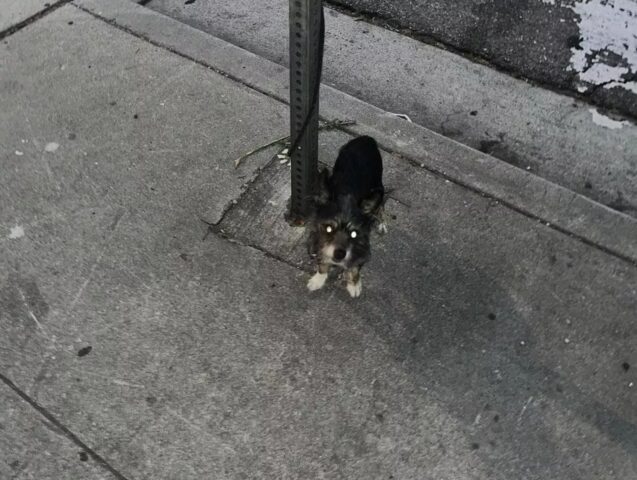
<point x="608" y="50"/>
<point x="632" y="86"/>
<point x="51" y="147"/>
<point x="600" y="73"/>
<point x="607" y="122"/>
<point x="16" y="232"/>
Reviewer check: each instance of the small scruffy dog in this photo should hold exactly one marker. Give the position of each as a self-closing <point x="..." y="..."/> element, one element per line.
<point x="348" y="204"/>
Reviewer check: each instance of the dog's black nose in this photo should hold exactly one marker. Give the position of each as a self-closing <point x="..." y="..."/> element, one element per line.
<point x="339" y="254"/>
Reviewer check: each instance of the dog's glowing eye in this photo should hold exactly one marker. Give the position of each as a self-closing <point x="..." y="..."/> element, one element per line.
<point x="354" y="234"/>
<point x="329" y="229"/>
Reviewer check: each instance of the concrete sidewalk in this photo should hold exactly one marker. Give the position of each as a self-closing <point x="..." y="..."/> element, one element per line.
<point x="137" y="344"/>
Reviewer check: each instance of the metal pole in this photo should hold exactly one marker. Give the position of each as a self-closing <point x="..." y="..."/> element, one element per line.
<point x="305" y="65"/>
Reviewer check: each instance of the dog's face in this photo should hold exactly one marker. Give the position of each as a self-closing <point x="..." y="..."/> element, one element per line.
<point x="342" y="231"/>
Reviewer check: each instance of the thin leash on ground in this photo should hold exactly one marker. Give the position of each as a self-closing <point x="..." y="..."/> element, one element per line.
<point x="285" y="141"/>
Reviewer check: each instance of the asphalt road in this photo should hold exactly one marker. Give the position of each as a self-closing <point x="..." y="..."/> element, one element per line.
<point x="586" y="47"/>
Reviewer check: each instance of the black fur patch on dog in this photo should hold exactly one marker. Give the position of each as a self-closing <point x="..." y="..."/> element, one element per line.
<point x="347" y="205"/>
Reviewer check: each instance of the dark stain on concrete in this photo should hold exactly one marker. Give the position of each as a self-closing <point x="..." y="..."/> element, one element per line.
<point x="82" y="352"/>
<point x="621" y="205"/>
<point x="499" y="149"/>
<point x="487" y="146"/>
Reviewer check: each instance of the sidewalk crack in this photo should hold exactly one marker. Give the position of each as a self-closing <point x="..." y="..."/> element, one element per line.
<point x="33" y="18"/>
<point x="63" y="430"/>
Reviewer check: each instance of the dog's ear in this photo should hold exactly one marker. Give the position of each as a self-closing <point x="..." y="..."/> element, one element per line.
<point x="322" y="187"/>
<point x="370" y="204"/>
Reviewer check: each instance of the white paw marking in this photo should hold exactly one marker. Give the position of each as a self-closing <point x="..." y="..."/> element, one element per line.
<point x="317" y="281"/>
<point x="355" y="289"/>
<point x="381" y="228"/>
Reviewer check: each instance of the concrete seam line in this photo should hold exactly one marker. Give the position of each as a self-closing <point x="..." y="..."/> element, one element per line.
<point x="33" y="18"/>
<point x="581" y="218"/>
<point x="235" y="240"/>
<point x="68" y="433"/>
<point x="201" y="63"/>
<point x="245" y="188"/>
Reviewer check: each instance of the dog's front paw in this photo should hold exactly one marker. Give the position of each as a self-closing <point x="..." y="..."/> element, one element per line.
<point x="381" y="228"/>
<point x="355" y="289"/>
<point x="317" y="281"/>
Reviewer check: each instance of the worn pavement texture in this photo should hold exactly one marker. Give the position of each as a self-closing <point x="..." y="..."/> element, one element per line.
<point x="585" y="46"/>
<point x="569" y="141"/>
<point x="138" y="342"/>
<point x="13" y="13"/>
